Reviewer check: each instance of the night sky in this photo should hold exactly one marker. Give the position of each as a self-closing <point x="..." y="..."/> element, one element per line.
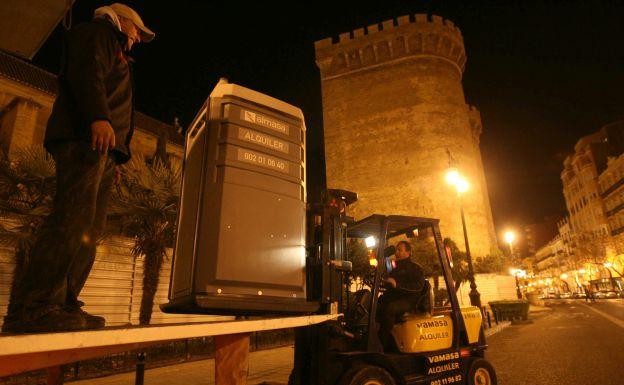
<point x="543" y="74"/>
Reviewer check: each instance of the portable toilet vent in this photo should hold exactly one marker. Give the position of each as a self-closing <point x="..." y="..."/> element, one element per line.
<point x="240" y="246"/>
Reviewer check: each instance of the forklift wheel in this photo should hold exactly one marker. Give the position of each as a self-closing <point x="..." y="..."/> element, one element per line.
<point x="481" y="372"/>
<point x="367" y="375"/>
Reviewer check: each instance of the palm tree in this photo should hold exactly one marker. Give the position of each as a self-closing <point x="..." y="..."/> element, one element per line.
<point x="27" y="186"/>
<point x="146" y="204"/>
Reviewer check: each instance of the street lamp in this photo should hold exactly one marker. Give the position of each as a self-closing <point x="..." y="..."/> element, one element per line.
<point x="518" y="273"/>
<point x="510" y="237"/>
<point x="455" y="179"/>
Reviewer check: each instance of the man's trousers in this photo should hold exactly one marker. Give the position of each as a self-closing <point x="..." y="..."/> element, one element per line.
<point x="62" y="256"/>
<point x="389" y="310"/>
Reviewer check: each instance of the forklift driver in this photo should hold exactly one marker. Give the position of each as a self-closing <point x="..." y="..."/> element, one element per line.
<point x="406" y="288"/>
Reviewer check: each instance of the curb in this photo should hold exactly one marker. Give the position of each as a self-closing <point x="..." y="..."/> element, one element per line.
<point x="495" y="329"/>
<point x="539" y="309"/>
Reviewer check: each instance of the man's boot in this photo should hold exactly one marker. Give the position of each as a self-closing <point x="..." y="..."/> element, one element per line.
<point x="92" y="321"/>
<point x="55" y="320"/>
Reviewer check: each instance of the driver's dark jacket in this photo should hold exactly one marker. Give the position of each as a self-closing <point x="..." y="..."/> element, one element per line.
<point x="410" y="280"/>
<point x="94" y="84"/>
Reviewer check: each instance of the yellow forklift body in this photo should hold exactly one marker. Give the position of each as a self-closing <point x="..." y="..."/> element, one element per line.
<point x="473" y="321"/>
<point x="425" y="333"/>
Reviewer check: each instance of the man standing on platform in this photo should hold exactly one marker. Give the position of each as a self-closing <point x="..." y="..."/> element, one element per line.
<point x="88" y="135"/>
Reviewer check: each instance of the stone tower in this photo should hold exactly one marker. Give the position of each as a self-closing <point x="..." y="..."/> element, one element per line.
<point x="393" y="104"/>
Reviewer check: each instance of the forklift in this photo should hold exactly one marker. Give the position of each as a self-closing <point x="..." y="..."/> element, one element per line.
<point x="442" y="345"/>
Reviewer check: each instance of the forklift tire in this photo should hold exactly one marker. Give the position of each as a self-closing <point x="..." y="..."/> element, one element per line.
<point x="367" y="375"/>
<point x="481" y="372"/>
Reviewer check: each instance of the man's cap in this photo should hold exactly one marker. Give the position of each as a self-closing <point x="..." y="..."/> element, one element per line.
<point x="124" y="11"/>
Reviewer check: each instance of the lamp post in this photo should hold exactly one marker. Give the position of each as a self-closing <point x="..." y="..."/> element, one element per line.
<point x="455" y="179"/>
<point x="510" y="237"/>
<point x="518" y="273"/>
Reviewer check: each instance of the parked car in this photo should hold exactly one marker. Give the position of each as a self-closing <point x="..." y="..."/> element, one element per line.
<point x="604" y="294"/>
<point x="550" y="295"/>
<point x="566" y="295"/>
<point x="578" y="294"/>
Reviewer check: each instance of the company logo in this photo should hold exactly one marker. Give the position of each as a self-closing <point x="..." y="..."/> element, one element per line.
<point x="250" y="116"/>
<point x="265" y="121"/>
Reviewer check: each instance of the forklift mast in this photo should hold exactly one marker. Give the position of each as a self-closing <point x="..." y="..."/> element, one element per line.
<point x="326" y="253"/>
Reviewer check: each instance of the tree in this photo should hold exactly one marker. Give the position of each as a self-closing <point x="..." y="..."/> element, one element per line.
<point x="589" y="248"/>
<point x="27" y="186"/>
<point x="492" y="263"/>
<point x="359" y="257"/>
<point x="424" y="253"/>
<point x="146" y="202"/>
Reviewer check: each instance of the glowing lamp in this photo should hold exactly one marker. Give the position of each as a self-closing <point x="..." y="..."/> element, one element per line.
<point x="510" y="236"/>
<point x="452" y="176"/>
<point x="462" y="185"/>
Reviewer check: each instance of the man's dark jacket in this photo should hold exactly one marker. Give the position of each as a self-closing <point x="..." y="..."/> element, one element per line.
<point x="94" y="84"/>
<point x="410" y="281"/>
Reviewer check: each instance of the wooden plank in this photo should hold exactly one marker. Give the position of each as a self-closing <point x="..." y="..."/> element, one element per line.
<point x="19" y="353"/>
<point x="20" y="363"/>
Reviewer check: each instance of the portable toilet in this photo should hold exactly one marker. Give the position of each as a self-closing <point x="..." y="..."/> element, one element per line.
<point x="240" y="244"/>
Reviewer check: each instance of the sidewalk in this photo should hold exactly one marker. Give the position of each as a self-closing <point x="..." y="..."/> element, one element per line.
<point x="271" y="365"/>
<point x="497" y="328"/>
<point x="539" y="309"/>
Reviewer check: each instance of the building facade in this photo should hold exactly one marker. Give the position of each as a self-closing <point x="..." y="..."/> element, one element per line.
<point x="612" y="192"/>
<point x="590" y="183"/>
<point x="395" y="117"/>
<point x="550" y="258"/>
<point x="588" y="249"/>
<point x="580" y="185"/>
<point x="536" y="235"/>
<point x="592" y="187"/>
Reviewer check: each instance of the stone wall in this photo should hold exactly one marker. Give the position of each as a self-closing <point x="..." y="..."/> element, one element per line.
<point x="393" y="105"/>
<point x="492" y="287"/>
<point x="24" y="112"/>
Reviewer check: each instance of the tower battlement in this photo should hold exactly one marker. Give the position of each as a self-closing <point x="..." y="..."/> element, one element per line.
<point x="390" y="40"/>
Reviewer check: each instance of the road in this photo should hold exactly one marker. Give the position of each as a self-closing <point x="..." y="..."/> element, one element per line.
<point x="574" y="344"/>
